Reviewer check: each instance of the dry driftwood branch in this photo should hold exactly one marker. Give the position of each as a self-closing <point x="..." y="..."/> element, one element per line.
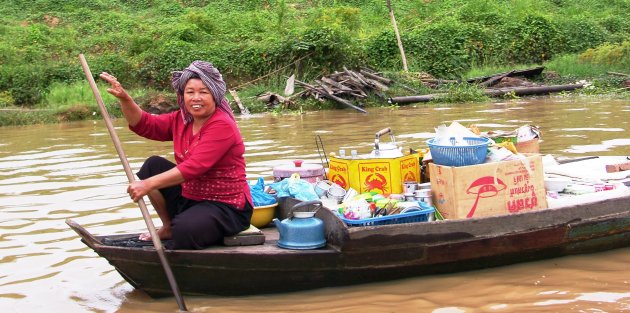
<point x="326" y="88"/>
<point x="400" y="45"/>
<point x="377" y="84"/>
<point x="336" y="75"/>
<point x="346" y="85"/>
<point x="357" y="95"/>
<point x="354" y="75"/>
<point x="373" y="76"/>
<point x="330" y="96"/>
<point x="335" y="83"/>
<point x="243" y="109"/>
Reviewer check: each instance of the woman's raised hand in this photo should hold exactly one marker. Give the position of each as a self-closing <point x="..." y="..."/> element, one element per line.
<point x="131" y="111"/>
<point x="116" y="90"/>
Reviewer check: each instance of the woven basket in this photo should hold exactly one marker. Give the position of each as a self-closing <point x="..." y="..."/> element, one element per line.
<point x="449" y="155"/>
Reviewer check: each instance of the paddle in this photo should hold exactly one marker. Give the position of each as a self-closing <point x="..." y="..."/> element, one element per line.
<point x="143" y="208"/>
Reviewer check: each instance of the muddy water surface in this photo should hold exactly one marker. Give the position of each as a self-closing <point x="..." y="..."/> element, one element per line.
<point x="54" y="172"/>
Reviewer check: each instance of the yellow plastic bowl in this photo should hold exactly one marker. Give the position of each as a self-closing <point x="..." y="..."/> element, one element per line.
<point x="263" y="215"/>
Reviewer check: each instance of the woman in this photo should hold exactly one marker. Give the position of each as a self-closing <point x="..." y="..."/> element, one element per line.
<point x="205" y="195"/>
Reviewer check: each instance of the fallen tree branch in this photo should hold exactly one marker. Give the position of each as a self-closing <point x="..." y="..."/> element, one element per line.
<point x="330" y="96"/>
<point x="244" y="110"/>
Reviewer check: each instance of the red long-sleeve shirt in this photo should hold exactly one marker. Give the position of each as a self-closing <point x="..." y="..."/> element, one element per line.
<point x="211" y="161"/>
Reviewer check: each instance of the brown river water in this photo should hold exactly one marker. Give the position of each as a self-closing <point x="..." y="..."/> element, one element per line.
<point x="53" y="172"/>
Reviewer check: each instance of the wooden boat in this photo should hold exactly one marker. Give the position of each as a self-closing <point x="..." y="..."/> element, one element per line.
<point x="527" y="73"/>
<point x="355" y="255"/>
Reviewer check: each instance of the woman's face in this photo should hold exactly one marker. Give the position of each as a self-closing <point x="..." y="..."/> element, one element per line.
<point x="198" y="99"/>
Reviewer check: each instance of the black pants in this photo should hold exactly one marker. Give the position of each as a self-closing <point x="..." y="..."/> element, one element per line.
<point x="195" y="224"/>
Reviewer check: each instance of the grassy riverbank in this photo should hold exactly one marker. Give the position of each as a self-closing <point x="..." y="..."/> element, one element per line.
<point x="72" y="102"/>
<point x="142" y="41"/>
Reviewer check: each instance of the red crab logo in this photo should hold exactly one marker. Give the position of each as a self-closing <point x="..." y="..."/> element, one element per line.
<point x="410" y="176"/>
<point x="339" y="180"/>
<point x="376" y="182"/>
<point x="484" y="187"/>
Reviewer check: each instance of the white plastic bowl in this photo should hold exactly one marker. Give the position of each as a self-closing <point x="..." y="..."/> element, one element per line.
<point x="303" y="214"/>
<point x="556" y="184"/>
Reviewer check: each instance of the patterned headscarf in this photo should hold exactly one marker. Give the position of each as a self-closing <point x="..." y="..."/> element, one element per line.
<point x="210" y="77"/>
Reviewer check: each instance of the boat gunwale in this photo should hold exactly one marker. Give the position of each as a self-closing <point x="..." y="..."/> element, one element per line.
<point x="437" y="230"/>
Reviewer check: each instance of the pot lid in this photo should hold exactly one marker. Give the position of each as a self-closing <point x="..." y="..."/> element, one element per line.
<point x="387" y="151"/>
<point x="304" y="169"/>
<point x="303" y="214"/>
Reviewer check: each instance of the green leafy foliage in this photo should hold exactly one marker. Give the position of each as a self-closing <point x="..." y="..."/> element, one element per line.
<point x="616" y="55"/>
<point x="27" y="84"/>
<point x="143" y="41"/>
<point x="440" y="49"/>
<point x="5" y="99"/>
<point x="579" y="34"/>
<point x="534" y="40"/>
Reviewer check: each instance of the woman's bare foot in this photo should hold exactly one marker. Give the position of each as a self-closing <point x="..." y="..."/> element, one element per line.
<point x="164" y="233"/>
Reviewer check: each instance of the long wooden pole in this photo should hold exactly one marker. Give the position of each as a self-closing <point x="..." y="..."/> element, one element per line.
<point x="400" y="45"/>
<point x="157" y="243"/>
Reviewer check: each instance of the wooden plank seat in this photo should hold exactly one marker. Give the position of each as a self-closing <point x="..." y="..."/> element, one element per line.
<point x="249" y="237"/>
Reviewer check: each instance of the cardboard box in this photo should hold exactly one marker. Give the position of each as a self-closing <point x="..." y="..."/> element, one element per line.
<point x="383" y="175"/>
<point x="530" y="146"/>
<point x="489" y="189"/>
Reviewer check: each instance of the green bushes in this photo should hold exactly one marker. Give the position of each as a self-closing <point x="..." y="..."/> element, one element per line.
<point x="382" y="50"/>
<point x="328" y="49"/>
<point x="5" y="99"/>
<point x="318" y="49"/>
<point x="27" y="83"/>
<point x="172" y="55"/>
<point x="441" y="49"/>
<point x="115" y="64"/>
<point x="533" y="41"/>
<point x="448" y="49"/>
<point x="142" y="41"/>
<point x="617" y="27"/>
<point x="578" y="34"/>
<point x="612" y="55"/>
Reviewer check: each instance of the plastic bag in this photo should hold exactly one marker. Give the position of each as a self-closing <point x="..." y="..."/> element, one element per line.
<point x="527" y="133"/>
<point x="457" y="131"/>
<point x="259" y="196"/>
<point x="295" y="187"/>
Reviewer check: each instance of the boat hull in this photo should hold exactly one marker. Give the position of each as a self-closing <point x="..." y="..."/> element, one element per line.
<point x="379" y="253"/>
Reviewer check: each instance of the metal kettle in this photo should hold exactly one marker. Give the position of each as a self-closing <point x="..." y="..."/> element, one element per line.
<point x="301" y="230"/>
<point x="383" y="150"/>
